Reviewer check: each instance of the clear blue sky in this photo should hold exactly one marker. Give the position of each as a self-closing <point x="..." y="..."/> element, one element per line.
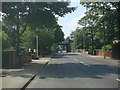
<point x="69" y="22"/>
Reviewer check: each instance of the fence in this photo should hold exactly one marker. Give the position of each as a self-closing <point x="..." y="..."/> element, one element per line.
<point x="10" y="59"/>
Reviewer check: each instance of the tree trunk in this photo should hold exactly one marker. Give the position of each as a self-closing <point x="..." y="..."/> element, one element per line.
<point x="18" y="39"/>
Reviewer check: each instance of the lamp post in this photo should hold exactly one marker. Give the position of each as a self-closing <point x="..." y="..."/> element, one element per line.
<point x="36" y="46"/>
<point x="83" y="43"/>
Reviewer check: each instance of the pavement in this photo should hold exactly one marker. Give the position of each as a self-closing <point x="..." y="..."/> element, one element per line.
<point x="17" y="78"/>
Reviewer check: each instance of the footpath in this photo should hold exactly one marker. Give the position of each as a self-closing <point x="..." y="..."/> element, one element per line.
<point x="18" y="78"/>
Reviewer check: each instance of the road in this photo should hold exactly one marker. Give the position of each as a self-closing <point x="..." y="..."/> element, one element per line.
<point x="68" y="70"/>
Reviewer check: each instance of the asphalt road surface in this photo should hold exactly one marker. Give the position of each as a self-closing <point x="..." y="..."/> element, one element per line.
<point x="76" y="71"/>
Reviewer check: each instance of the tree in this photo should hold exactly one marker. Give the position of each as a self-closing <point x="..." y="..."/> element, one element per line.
<point x="117" y="7"/>
<point x="20" y="15"/>
<point x="6" y="44"/>
<point x="58" y="35"/>
<point x="110" y="9"/>
<point x="89" y="21"/>
<point x="99" y="22"/>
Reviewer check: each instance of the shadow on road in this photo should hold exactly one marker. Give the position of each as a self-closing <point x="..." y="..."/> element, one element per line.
<point x="63" y="70"/>
<point x="26" y="71"/>
<point x="77" y="70"/>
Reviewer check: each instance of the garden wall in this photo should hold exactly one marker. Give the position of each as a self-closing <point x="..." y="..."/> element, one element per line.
<point x="107" y="54"/>
<point x="10" y="59"/>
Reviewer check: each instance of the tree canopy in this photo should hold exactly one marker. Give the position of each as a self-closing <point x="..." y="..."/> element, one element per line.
<point x="38" y="18"/>
<point x="100" y="25"/>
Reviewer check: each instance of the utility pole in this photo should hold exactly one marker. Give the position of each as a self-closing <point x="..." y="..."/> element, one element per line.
<point x="36" y="46"/>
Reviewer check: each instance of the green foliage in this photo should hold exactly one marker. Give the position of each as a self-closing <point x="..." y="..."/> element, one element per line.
<point x="26" y="41"/>
<point x="46" y="38"/>
<point x="31" y="19"/>
<point x="100" y="24"/>
<point x="6" y="45"/>
<point x="108" y="48"/>
<point x="58" y="35"/>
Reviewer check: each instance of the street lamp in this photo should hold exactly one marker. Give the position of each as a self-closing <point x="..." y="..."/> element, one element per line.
<point x="36" y="46"/>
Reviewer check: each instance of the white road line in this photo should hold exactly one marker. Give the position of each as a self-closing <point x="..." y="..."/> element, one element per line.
<point x="79" y="61"/>
<point x="99" y="76"/>
<point x="118" y="79"/>
<point x="86" y="64"/>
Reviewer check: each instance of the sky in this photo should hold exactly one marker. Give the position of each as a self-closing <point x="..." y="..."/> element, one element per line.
<point x="69" y="22"/>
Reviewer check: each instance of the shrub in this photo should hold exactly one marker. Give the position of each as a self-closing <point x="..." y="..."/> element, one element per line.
<point x="107" y="47"/>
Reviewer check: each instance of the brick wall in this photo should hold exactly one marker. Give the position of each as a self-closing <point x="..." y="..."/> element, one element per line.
<point x="107" y="54"/>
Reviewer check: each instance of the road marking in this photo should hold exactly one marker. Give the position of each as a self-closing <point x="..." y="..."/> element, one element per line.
<point x="118" y="79"/>
<point x="99" y="76"/>
<point x="82" y="62"/>
<point x="79" y="61"/>
<point x="86" y="64"/>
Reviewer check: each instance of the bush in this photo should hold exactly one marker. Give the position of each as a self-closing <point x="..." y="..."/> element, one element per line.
<point x="107" y="47"/>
